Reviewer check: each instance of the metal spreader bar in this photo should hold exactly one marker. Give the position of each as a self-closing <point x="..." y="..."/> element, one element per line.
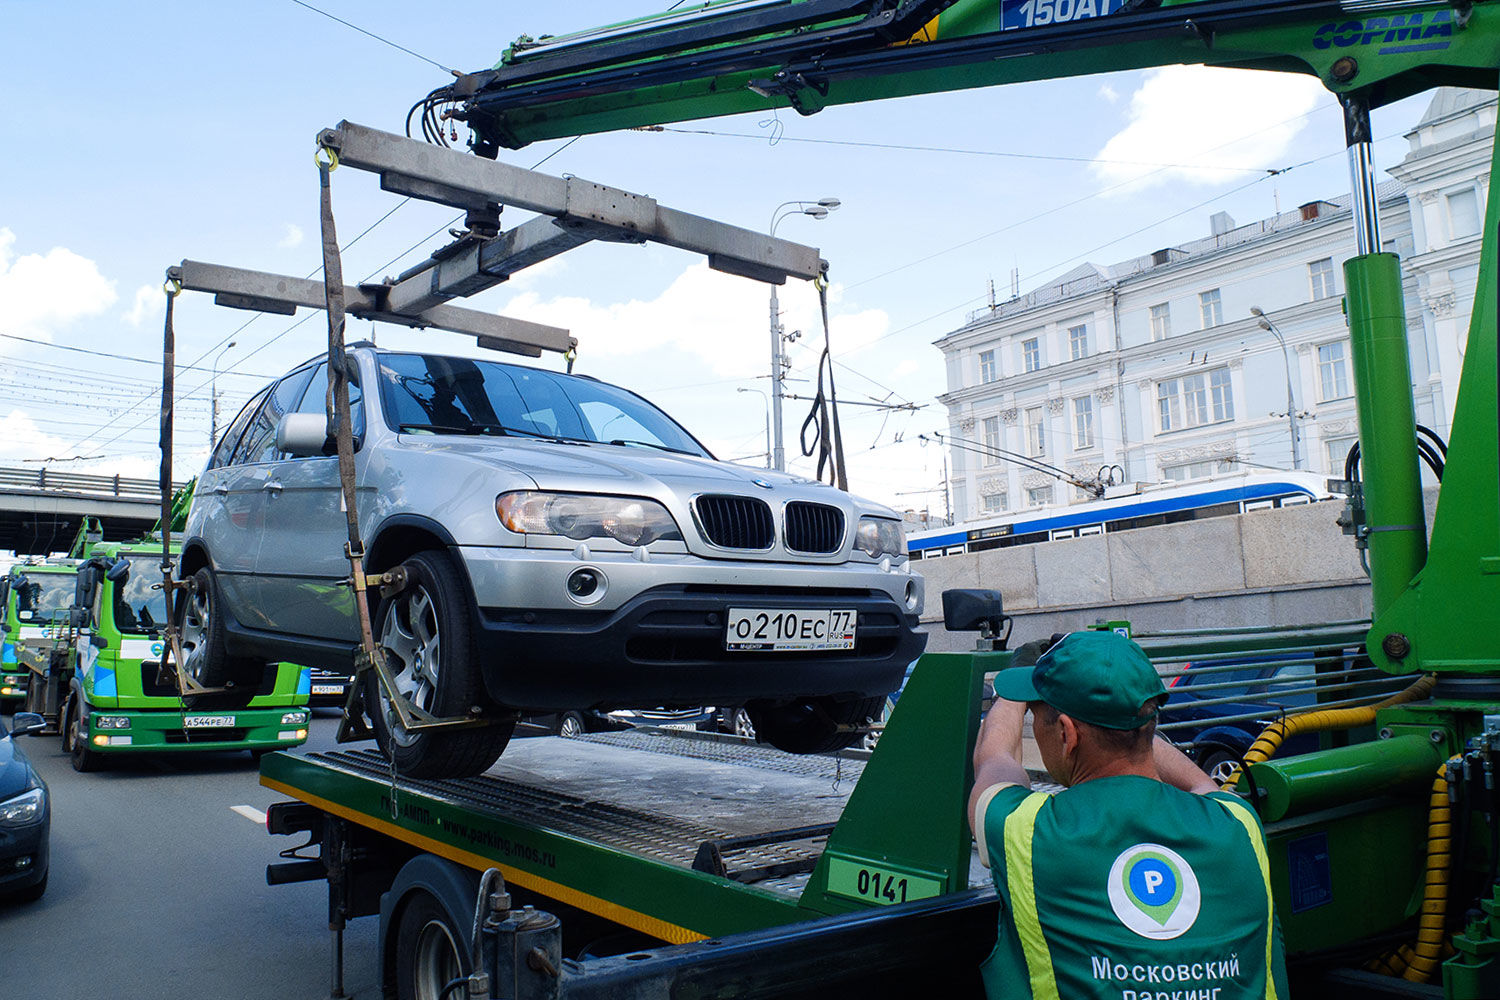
<point x="572" y="211"/>
<point x="240" y="288"/>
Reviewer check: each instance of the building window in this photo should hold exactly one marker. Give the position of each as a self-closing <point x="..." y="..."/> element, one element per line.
<point x="1320" y="272"/>
<point x="994" y="503"/>
<point x="1337" y="450"/>
<point x="1078" y="342"/>
<point x="1211" y="307"/>
<point x="1197" y="470"/>
<point x="987" y="366"/>
<point x="1193" y="400"/>
<point x="991" y="440"/>
<point x="1333" y="370"/>
<point x="1083" y="422"/>
<point x="1161" y="321"/>
<point x="1031" y="354"/>
<point x="1463" y="213"/>
<point x="1039" y="496"/>
<point x="1036" y="432"/>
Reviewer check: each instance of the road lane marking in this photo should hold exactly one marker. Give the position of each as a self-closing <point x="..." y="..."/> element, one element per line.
<point x="251" y="813"/>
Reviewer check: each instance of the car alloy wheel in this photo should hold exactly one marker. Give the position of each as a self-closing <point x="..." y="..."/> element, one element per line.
<point x="412" y="639"/>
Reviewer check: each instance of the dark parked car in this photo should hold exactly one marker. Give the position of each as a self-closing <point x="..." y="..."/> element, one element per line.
<point x="1259" y="692"/>
<point x="25" y="815"/>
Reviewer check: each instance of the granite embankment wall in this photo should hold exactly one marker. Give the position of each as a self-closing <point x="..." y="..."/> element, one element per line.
<point x="1290" y="566"/>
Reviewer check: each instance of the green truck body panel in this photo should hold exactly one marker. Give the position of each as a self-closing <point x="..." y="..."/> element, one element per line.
<point x="125" y="708"/>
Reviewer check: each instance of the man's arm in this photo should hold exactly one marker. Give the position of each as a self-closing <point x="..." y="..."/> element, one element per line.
<point x="1176" y="770"/>
<point x="997" y="752"/>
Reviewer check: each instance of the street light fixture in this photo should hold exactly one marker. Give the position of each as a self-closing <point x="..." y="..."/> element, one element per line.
<point x="213" y="397"/>
<point x="762" y="394"/>
<point x="1264" y="322"/>
<point x="815" y="210"/>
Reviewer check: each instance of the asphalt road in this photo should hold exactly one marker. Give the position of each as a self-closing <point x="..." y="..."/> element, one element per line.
<point x="158" y="889"/>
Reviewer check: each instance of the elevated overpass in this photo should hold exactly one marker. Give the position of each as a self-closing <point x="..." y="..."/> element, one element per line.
<point x="40" y="509"/>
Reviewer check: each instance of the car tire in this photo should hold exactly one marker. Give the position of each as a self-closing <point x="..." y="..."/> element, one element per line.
<point x="32" y="893"/>
<point x="428" y="637"/>
<point x="199" y="620"/>
<point x="814" y="726"/>
<point x="737" y="721"/>
<point x="570" y="725"/>
<point x="1219" y="764"/>
<point x="430" y="951"/>
<point x="76" y="743"/>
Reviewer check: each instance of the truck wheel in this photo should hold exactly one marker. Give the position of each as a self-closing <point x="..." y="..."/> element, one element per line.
<point x="199" y="617"/>
<point x="427" y="634"/>
<point x="430" y="951"/>
<point x="76" y="741"/>
<point x="813" y="726"/>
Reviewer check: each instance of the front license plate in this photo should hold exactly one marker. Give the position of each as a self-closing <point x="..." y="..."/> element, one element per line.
<point x="786" y="629"/>
<point x="328" y="689"/>
<point x="208" y="722"/>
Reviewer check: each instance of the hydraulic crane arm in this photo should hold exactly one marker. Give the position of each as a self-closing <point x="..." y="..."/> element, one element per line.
<point x="754" y="55"/>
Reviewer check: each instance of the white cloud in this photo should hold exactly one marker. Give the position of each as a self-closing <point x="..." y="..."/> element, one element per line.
<point x="704" y="321"/>
<point x="41" y="292"/>
<point x="1208" y="119"/>
<point x="1109" y="93"/>
<point x="150" y="302"/>
<point x="291" y="237"/>
<point x="909" y="366"/>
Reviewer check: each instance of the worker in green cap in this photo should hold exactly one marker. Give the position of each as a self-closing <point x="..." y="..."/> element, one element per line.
<point x="1140" y="880"/>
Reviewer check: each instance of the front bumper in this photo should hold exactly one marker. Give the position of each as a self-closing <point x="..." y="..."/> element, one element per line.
<point x="665" y="647"/>
<point x="155" y="732"/>
<point x="24" y="854"/>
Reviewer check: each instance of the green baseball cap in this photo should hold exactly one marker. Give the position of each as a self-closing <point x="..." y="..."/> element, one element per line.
<point x="1097" y="677"/>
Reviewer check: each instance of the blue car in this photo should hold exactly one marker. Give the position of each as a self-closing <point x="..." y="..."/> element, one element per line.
<point x="25" y="815"/>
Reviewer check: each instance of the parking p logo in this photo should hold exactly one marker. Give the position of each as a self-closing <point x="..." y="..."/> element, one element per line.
<point x="1154" y="891"/>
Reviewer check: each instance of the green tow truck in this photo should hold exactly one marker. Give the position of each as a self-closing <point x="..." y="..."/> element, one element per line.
<point x="36" y="601"/>
<point x="111" y="698"/>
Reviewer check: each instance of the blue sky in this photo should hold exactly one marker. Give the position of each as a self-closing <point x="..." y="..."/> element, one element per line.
<point x="139" y="135"/>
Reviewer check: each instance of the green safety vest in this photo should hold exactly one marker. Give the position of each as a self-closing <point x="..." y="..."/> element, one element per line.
<point x="1128" y="889"/>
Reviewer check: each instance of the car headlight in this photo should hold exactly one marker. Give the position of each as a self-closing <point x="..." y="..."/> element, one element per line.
<point x="294" y="718"/>
<point x="629" y="520"/>
<point x="24" y="808"/>
<point x="111" y="722"/>
<point x="880" y="536"/>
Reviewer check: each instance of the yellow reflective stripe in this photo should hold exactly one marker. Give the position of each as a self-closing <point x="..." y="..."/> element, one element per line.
<point x="1020" y="826"/>
<point x="1241" y="812"/>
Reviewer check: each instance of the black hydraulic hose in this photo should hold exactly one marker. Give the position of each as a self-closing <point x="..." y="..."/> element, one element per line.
<point x="1433" y="455"/>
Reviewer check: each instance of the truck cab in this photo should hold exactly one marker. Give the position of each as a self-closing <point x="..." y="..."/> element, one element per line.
<point x="36" y="601"/>
<point x="118" y="701"/>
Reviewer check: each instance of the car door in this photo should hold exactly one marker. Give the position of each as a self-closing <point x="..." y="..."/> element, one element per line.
<point x="224" y="513"/>
<point x="301" y="564"/>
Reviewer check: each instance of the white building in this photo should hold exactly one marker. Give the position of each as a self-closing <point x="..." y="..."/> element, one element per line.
<point x="1157" y="365"/>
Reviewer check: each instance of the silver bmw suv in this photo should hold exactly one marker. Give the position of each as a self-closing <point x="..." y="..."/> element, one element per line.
<point x="567" y="546"/>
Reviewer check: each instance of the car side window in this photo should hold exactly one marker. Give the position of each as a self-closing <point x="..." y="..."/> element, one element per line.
<point x="225" y="450"/>
<point x="259" y="443"/>
<point x="315" y="399"/>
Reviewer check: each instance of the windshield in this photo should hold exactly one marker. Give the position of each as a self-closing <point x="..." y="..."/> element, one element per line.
<point x="423" y="394"/>
<point x="41" y="597"/>
<point x="140" y="605"/>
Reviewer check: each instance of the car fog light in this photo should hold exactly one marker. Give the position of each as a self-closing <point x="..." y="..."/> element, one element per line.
<point x="7" y="691"/>
<point x="911" y="595"/>
<point x="101" y="740"/>
<point x="586" y="586"/>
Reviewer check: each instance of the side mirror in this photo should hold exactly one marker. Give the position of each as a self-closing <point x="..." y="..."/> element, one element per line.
<point x="302" y="434"/>
<point x="25" y="723"/>
<point x="78" y="617"/>
<point x="118" y="572"/>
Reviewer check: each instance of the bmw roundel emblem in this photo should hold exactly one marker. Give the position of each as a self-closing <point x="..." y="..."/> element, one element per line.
<point x="763" y="484"/>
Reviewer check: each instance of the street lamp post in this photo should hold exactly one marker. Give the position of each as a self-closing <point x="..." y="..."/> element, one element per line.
<point x="763" y="395"/>
<point x="1264" y="322"/>
<point x="817" y="210"/>
<point x="213" y="397"/>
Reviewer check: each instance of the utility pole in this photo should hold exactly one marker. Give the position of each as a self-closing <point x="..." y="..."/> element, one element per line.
<point x="818" y="210"/>
<point x="213" y="398"/>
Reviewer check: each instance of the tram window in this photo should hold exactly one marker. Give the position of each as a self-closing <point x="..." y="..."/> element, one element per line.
<point x="954" y="550"/>
<point x="1091" y="529"/>
<point x="1295" y="501"/>
<point x="914" y="556"/>
<point x="988" y="543"/>
<point x="1259" y="505"/>
<point x="1028" y="539"/>
<point x="1214" y="510"/>
<point x="1064" y="533"/>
